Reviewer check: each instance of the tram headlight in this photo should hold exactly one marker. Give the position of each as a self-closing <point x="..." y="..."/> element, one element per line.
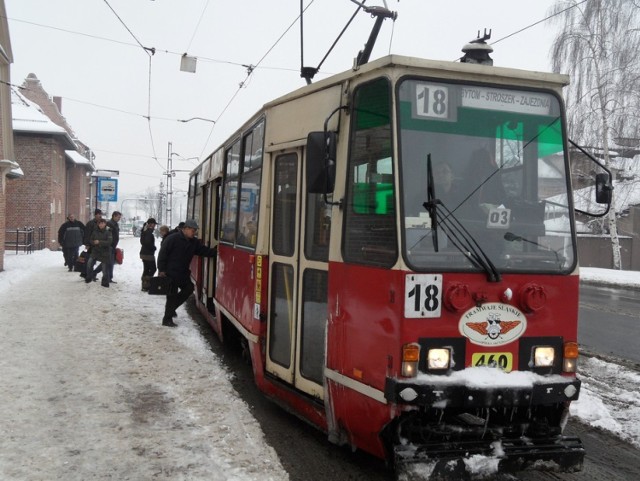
<point x="543" y="356"/>
<point x="410" y="358"/>
<point x="438" y="359"/>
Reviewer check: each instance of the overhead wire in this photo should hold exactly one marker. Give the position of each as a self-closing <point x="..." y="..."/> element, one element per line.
<point x="250" y="69"/>
<point x="129" y="44"/>
<point x="197" y="25"/>
<point x="538" y="22"/>
<point x="150" y="51"/>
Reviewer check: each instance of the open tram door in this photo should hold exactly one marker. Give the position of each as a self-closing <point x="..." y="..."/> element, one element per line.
<point x="298" y="267"/>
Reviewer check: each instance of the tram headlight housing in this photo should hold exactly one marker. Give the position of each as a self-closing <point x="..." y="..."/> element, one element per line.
<point x="544" y="356"/>
<point x="439" y="358"/>
<point x="410" y="359"/>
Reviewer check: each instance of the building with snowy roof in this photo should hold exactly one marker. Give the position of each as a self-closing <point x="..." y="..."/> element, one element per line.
<point x="56" y="180"/>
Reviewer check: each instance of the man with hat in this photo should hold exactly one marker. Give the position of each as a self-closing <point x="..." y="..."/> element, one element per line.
<point x="148" y="252"/>
<point x="174" y="260"/>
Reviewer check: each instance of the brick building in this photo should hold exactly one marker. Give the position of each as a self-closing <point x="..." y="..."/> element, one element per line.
<point x="56" y="176"/>
<point x="79" y="160"/>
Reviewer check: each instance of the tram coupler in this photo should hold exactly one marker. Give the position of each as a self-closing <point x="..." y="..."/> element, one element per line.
<point x="477" y="460"/>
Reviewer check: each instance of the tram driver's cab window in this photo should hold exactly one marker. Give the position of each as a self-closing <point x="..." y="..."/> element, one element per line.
<point x="493" y="162"/>
<point x="370" y="225"/>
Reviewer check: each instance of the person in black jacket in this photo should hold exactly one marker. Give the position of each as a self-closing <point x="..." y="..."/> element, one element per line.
<point x="100" y="240"/>
<point x="70" y="239"/>
<point x="174" y="260"/>
<point x="91" y="226"/>
<point x="148" y="252"/>
<point x="115" y="232"/>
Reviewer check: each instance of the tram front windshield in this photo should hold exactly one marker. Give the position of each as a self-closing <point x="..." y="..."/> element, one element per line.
<point x="483" y="174"/>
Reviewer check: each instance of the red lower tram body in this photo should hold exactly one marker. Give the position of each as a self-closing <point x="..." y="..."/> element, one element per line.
<point x="492" y="400"/>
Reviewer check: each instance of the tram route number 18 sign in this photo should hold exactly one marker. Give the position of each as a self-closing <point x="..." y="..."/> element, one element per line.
<point x="422" y="295"/>
<point x="107" y="189"/>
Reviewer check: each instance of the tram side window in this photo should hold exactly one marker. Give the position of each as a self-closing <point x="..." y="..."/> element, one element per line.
<point x="370" y="220"/>
<point x="193" y="183"/>
<point x="318" y="227"/>
<point x="284" y="204"/>
<point x="230" y="195"/>
<point x="250" y="186"/>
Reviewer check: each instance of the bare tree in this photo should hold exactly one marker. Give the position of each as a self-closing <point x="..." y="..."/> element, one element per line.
<point x="598" y="47"/>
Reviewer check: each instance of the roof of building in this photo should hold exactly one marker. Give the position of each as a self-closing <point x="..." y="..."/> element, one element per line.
<point x="78" y="159"/>
<point x="29" y="118"/>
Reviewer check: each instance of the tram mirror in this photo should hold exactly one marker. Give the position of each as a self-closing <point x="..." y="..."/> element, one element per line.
<point x="320" y="162"/>
<point x="603" y="189"/>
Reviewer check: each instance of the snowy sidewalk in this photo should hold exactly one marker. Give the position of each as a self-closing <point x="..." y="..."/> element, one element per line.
<point x="93" y="387"/>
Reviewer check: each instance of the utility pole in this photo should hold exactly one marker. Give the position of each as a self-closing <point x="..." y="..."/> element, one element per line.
<point x="160" y="199"/>
<point x="169" y="184"/>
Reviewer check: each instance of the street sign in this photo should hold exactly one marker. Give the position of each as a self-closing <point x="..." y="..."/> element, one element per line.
<point x="107" y="189"/>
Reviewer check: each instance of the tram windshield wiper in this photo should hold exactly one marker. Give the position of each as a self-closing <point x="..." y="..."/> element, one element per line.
<point x="456" y="233"/>
<point x="511" y="237"/>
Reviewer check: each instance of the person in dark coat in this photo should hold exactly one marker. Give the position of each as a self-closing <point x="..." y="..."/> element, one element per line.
<point x="70" y="237"/>
<point x="178" y="228"/>
<point x="101" y="240"/>
<point x="148" y="252"/>
<point x="174" y="260"/>
<point x="164" y="232"/>
<point x="115" y="232"/>
<point x="91" y="226"/>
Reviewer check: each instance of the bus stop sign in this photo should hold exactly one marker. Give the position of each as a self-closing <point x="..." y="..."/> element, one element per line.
<point x="107" y="189"/>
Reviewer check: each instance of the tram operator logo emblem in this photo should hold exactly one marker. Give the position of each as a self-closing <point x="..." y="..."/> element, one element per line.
<point x="493" y="324"/>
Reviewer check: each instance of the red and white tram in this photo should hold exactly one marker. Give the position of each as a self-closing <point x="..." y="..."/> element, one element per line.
<point x="397" y="248"/>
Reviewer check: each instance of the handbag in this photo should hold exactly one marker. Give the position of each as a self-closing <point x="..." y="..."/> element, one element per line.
<point x="80" y="262"/>
<point x="119" y="255"/>
<point x="160" y="286"/>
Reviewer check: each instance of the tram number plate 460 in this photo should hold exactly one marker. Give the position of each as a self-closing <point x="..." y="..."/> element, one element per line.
<point x="502" y="360"/>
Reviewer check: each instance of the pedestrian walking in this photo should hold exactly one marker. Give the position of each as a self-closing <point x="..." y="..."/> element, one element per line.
<point x="115" y="233"/>
<point x="70" y="238"/>
<point x="148" y="252"/>
<point x="91" y="226"/>
<point x="174" y="260"/>
<point x="101" y="240"/>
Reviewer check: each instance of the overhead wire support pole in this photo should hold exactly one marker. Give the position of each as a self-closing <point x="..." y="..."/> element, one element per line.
<point x="169" y="184"/>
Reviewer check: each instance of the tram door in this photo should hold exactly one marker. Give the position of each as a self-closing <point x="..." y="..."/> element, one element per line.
<point x="211" y="199"/>
<point x="298" y="282"/>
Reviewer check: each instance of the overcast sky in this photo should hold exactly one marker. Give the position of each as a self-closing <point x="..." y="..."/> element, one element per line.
<point x="81" y="51"/>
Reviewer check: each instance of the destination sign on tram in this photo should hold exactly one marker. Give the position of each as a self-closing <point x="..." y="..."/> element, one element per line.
<point x="535" y="103"/>
<point x="434" y="101"/>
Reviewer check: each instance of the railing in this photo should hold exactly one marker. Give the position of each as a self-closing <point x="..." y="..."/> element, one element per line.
<point x="25" y="239"/>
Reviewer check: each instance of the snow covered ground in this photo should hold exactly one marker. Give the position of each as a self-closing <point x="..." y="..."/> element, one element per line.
<point x="94" y="388"/>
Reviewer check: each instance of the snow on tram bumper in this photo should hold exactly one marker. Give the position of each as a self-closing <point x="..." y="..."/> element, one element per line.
<point x="514" y="420"/>
<point x="482" y="387"/>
